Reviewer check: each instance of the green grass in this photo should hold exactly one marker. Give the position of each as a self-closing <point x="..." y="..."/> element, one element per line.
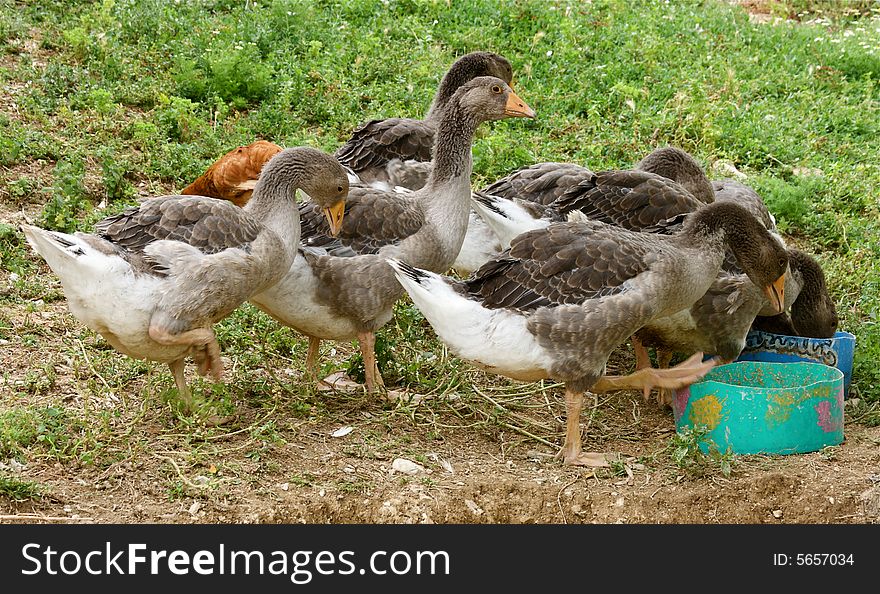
<point x="116" y="98"/>
<point x="19" y="490"/>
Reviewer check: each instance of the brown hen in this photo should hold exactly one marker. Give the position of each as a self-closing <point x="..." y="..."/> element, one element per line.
<point x="233" y="176"/>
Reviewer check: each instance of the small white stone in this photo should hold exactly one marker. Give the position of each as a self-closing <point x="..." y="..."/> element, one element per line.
<point x="777" y="513"/>
<point x="807" y="171"/>
<point x="727" y="169"/>
<point x="284" y="486"/>
<point x="195" y="507"/>
<point x="475" y="509"/>
<point x="406" y="466"/>
<point x="13" y="277"/>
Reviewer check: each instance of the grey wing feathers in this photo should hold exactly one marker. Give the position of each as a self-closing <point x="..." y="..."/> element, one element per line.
<point x="376" y="142"/>
<point x="632" y="199"/>
<point x="564" y="263"/>
<point x="542" y="183"/>
<point x="208" y="224"/>
<point x="373" y="219"/>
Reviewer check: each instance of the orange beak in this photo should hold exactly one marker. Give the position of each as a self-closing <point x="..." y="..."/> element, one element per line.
<point x="775" y="292"/>
<point x="517" y="108"/>
<point x="334" y="215"/>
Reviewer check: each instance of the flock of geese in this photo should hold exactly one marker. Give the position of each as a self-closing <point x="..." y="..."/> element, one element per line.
<point x="557" y="265"/>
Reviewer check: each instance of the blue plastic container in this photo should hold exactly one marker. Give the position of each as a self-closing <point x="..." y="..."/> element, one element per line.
<point x="754" y="407"/>
<point x="836" y="351"/>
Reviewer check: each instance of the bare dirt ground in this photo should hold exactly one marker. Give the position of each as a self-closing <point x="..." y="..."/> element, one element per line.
<point x="266" y="465"/>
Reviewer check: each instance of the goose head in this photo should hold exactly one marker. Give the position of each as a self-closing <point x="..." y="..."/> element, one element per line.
<point x="487" y="64"/>
<point x="490" y="98"/>
<point x="758" y="252"/>
<point x="761" y="256"/>
<point x="469" y="67"/>
<point x="316" y="173"/>
<point x="679" y="166"/>
<point x="813" y="313"/>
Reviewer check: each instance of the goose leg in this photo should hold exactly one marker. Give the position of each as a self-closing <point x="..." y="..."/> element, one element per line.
<point x="199" y="337"/>
<point x="312" y="358"/>
<point x="664" y="395"/>
<point x="177" y="370"/>
<point x="373" y="379"/>
<point x="571" y="452"/>
<point x="643" y="360"/>
<point x="683" y="374"/>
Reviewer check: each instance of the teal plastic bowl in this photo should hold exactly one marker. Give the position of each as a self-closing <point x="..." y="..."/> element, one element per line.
<point x="760" y="407"/>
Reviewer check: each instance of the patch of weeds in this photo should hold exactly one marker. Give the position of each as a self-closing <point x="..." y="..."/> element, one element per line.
<point x="864" y="412"/>
<point x="267" y="432"/>
<point x="354" y="486"/>
<point x="78" y="41"/>
<point x="237" y="75"/>
<point x="68" y="197"/>
<point x="829" y="453"/>
<point x="179" y="118"/>
<point x="14" y="252"/>
<point x="101" y="100"/>
<point x="48" y="429"/>
<point x="5" y="328"/>
<point x="210" y="399"/>
<point x="302" y="480"/>
<point x="177" y="491"/>
<point x="40" y="381"/>
<point x="17" y="489"/>
<point x="686" y="453"/>
<point x="21" y="188"/>
<point x="142" y="133"/>
<point x="618" y="468"/>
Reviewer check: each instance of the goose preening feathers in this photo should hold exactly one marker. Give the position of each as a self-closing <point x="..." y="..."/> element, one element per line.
<point x="557" y="303"/>
<point x="153" y="279"/>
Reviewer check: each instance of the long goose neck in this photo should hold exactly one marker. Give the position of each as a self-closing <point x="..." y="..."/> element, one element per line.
<point x="457" y="76"/>
<point x="452" y="146"/>
<point x="446" y="196"/>
<point x="274" y="199"/>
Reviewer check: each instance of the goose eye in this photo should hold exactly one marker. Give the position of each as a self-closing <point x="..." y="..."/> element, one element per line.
<point x="496" y="89"/>
<point x="339" y="188"/>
